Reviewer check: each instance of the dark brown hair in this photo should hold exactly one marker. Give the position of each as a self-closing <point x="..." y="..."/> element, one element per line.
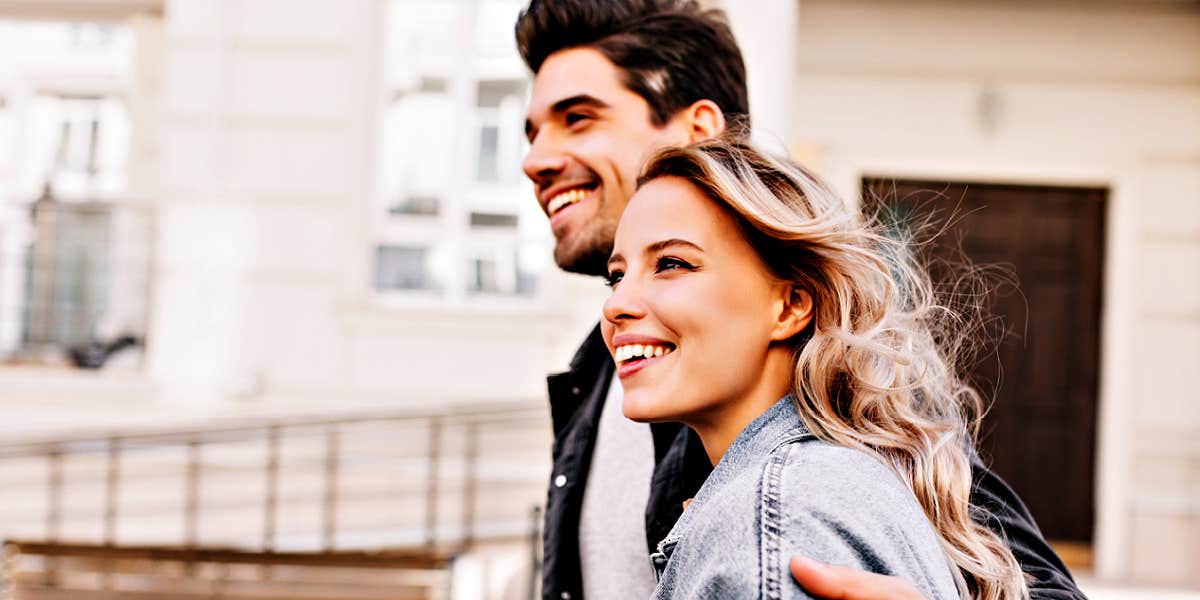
<point x="672" y="52"/>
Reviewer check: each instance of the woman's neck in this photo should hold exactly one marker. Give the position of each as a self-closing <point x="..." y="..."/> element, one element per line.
<point x="719" y="427"/>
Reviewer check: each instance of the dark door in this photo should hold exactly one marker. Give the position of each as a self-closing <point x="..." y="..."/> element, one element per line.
<point x="1041" y="429"/>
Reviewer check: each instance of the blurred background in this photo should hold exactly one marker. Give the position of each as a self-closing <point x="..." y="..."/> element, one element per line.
<point x="277" y="303"/>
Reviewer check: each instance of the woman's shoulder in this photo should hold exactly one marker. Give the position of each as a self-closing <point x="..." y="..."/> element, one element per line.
<point x="814" y="470"/>
<point x="844" y="506"/>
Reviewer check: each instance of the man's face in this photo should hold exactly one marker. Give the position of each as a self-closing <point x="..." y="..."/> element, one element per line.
<point x="589" y="136"/>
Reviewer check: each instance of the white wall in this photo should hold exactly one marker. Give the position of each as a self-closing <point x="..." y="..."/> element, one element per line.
<point x="1040" y="93"/>
<point x="270" y="117"/>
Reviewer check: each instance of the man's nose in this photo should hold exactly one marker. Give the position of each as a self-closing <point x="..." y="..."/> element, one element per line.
<point x="625" y="304"/>
<point x="543" y="161"/>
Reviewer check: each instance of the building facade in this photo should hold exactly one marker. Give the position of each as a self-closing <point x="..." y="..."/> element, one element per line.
<point x="340" y="219"/>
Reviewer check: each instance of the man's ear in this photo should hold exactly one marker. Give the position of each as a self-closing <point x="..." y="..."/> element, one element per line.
<point x="704" y="119"/>
<point x="795" y="314"/>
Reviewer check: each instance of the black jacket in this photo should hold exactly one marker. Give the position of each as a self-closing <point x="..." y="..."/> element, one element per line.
<point x="681" y="466"/>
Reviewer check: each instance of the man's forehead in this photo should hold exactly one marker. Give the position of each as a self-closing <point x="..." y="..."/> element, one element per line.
<point x="571" y="73"/>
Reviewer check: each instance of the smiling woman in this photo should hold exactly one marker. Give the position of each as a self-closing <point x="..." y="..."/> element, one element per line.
<point x="751" y="304"/>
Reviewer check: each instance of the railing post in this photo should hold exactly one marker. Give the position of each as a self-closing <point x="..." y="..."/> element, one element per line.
<point x="111" y="497"/>
<point x="53" y="493"/>
<point x="535" y="562"/>
<point x="431" y="485"/>
<point x="329" y="516"/>
<point x="271" y="499"/>
<point x="112" y="490"/>
<point x="53" y="510"/>
<point x="470" y="459"/>
<point x="191" y="494"/>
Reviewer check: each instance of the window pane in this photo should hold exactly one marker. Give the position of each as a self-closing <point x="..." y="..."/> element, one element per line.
<point x="417" y="159"/>
<point x="489" y="148"/>
<point x="493" y="27"/>
<point x="401" y="268"/>
<point x="493" y="92"/>
<point x="485" y="276"/>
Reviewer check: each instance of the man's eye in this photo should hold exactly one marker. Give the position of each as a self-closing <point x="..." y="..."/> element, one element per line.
<point x="613" y="278"/>
<point x="668" y="263"/>
<point x="573" y="118"/>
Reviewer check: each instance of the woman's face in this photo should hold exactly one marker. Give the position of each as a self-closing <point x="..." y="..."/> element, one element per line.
<point x="693" y="309"/>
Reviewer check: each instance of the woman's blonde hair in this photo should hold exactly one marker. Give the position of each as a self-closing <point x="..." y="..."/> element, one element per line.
<point x="878" y="370"/>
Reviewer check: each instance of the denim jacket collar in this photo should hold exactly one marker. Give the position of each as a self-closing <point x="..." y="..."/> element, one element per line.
<point x="780" y="424"/>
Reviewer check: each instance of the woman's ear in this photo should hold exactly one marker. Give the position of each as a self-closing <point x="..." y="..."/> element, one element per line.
<point x="796" y="313"/>
<point x="705" y="120"/>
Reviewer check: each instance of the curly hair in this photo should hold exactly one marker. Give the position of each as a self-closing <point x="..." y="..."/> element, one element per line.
<point x="876" y="371"/>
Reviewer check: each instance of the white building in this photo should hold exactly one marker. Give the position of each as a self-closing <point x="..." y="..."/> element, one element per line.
<point x="340" y="220"/>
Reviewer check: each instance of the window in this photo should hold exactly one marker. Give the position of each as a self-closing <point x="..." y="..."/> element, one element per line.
<point x="78" y="135"/>
<point x="498" y="110"/>
<point x="402" y="268"/>
<point x="74" y="252"/>
<point x="455" y="217"/>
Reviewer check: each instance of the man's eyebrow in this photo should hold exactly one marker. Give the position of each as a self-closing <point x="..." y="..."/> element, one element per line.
<point x="562" y="106"/>
<point x="577" y="100"/>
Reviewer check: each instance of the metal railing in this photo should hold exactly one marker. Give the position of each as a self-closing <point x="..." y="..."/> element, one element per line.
<point x="438" y="481"/>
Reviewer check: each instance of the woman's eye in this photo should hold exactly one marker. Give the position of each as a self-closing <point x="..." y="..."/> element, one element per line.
<point x="613" y="279"/>
<point x="668" y="263"/>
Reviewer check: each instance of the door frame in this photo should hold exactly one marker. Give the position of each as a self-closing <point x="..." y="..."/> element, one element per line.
<point x="1118" y="315"/>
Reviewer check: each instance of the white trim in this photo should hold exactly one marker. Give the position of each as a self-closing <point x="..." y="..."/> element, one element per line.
<point x="1119" y="312"/>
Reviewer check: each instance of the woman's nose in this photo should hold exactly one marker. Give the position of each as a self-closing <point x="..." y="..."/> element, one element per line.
<point x="625" y="303"/>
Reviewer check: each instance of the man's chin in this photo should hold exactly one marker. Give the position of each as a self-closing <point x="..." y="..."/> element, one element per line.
<point x="584" y="259"/>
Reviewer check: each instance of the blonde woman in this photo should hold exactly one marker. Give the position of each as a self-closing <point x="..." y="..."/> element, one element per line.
<point x="749" y="303"/>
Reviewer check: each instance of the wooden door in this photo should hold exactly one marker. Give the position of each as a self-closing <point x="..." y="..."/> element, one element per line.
<point x="1040" y="432"/>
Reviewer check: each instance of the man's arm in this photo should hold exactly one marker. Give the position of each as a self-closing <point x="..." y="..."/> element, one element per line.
<point x="1049" y="578"/>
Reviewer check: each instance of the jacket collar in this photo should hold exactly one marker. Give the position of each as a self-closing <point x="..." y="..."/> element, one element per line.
<point x="585" y="382"/>
<point x="778" y="425"/>
<point x="592" y="352"/>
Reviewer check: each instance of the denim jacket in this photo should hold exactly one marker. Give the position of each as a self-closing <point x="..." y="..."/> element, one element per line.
<point x="779" y="491"/>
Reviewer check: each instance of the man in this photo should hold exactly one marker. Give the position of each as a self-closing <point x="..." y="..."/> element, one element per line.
<point x="615" y="80"/>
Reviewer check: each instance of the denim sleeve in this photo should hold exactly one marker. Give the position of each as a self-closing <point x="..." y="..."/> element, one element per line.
<point x="844" y="507"/>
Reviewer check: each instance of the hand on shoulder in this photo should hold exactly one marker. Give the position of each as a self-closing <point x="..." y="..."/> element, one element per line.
<point x="843" y="583"/>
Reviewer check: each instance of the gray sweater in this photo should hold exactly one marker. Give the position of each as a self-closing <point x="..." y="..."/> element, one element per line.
<point x="779" y="492"/>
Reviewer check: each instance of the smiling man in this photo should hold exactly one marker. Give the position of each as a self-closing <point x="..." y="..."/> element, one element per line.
<point x="615" y="80"/>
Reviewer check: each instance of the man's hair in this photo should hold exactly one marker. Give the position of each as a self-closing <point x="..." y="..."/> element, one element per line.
<point x="672" y="52"/>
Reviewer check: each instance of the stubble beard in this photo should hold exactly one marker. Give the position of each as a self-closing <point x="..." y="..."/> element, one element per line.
<point x="587" y="252"/>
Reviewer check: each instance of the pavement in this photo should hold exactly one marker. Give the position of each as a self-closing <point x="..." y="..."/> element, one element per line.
<point x="1099" y="590"/>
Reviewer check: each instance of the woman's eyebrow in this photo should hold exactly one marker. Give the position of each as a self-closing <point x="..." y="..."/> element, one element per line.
<point x="655" y="248"/>
<point x="615" y="259"/>
<point x="668" y="243"/>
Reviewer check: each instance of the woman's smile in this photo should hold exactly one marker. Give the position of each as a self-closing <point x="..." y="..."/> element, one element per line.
<point x="633" y="353"/>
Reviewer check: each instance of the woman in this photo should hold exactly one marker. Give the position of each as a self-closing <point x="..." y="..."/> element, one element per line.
<point x="749" y="303"/>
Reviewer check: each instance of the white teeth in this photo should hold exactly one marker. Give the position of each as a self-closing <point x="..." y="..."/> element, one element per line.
<point x="564" y="199"/>
<point x="624" y="353"/>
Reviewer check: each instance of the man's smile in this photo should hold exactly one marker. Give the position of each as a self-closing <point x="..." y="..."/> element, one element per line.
<point x="564" y="200"/>
<point x="559" y="200"/>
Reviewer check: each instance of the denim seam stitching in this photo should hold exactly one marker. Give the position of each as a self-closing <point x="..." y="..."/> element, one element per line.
<point x="771" y="526"/>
